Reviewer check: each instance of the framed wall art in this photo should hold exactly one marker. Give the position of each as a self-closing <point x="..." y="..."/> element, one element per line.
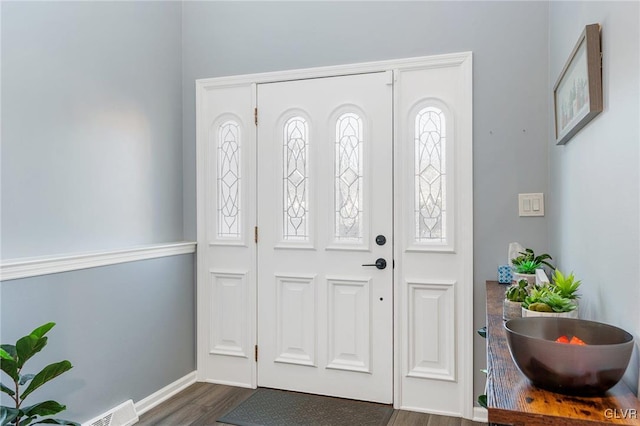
<point x="577" y="95"/>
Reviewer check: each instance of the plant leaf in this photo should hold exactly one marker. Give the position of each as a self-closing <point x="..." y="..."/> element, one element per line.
<point x="6" y="390"/>
<point x="482" y="401"/>
<point x="46" y="408"/>
<point x="482" y="331"/>
<point x="7" y="415"/>
<point x="56" y="422"/>
<point x="25" y="378"/>
<point x="27" y="421"/>
<point x="544" y="262"/>
<point x="50" y="372"/>
<point x="10" y="350"/>
<point x="10" y="367"/>
<point x="42" y="330"/>
<point x="28" y="346"/>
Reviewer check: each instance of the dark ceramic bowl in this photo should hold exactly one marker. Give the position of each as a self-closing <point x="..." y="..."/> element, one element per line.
<point x="565" y="368"/>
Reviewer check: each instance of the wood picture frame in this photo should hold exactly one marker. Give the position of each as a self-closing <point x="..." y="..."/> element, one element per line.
<point x="577" y="95"/>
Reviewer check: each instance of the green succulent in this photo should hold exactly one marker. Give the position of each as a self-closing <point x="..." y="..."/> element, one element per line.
<point x="529" y="255"/>
<point x="527" y="267"/>
<point x="566" y="286"/>
<point x="545" y="299"/>
<point x="517" y="292"/>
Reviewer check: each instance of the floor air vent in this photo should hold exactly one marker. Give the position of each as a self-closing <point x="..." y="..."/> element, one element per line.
<point x="122" y="415"/>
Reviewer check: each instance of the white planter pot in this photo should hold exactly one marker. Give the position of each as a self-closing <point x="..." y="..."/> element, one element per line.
<point x="530" y="278"/>
<point x="528" y="313"/>
<point x="511" y="309"/>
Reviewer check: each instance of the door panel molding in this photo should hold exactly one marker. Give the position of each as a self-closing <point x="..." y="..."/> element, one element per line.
<point x="227" y="299"/>
<point x="349" y="302"/>
<point x="296" y="319"/>
<point x="431" y="350"/>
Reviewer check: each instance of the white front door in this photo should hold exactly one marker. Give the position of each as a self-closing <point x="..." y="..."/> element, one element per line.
<point x="316" y="175"/>
<point x="325" y="205"/>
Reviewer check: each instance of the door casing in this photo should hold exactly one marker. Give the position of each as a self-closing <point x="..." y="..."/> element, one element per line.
<point x="206" y="90"/>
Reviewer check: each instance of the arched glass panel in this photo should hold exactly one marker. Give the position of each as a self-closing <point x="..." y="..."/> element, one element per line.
<point x="229" y="180"/>
<point x="430" y="176"/>
<point x="295" y="180"/>
<point x="348" y="178"/>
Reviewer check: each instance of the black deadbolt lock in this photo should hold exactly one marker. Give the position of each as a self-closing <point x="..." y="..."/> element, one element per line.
<point x="381" y="240"/>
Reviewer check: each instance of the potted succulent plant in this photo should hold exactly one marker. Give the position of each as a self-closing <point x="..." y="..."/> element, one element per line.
<point x="566" y="286"/>
<point x="513" y="298"/>
<point x="546" y="301"/>
<point x="526" y="264"/>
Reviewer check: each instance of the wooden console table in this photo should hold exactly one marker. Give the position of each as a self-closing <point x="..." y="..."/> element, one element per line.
<point x="513" y="400"/>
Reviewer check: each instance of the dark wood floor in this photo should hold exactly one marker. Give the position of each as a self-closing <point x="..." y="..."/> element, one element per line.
<point x="202" y="403"/>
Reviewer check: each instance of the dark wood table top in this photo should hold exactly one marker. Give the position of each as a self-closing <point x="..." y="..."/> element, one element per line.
<point x="513" y="400"/>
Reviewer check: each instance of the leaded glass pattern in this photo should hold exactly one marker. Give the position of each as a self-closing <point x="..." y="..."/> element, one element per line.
<point x="430" y="176"/>
<point x="348" y="179"/>
<point x="229" y="180"/>
<point x="295" y="180"/>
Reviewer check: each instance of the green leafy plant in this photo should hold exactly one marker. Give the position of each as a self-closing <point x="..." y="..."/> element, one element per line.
<point x="565" y="286"/>
<point x="528" y="255"/>
<point x="482" y="400"/>
<point x="517" y="292"/>
<point x="527" y="267"/>
<point x="12" y="361"/>
<point x="545" y="299"/>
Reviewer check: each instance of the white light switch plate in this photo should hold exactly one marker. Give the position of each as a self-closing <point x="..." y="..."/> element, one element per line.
<point x="531" y="204"/>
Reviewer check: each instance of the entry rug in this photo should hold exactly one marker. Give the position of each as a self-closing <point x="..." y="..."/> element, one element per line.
<point x="270" y="407"/>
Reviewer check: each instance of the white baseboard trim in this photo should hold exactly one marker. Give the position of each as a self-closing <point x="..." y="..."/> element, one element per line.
<point x="14" y="269"/>
<point x="165" y="393"/>
<point x="480" y="414"/>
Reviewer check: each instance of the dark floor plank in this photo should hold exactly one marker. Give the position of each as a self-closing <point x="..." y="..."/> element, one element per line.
<point x="393" y="418"/>
<point x="183" y="416"/>
<point x="222" y="397"/>
<point x="444" y="421"/>
<point x="465" y="422"/>
<point x="159" y="414"/>
<point x="410" y="418"/>
<point x="227" y="398"/>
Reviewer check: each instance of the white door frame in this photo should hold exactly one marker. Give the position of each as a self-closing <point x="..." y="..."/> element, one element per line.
<point x="464" y="297"/>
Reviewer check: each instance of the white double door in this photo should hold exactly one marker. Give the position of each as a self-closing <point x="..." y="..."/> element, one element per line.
<point x="325" y="210"/>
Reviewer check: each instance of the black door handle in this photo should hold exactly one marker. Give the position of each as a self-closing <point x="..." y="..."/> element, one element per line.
<point x="380" y="263"/>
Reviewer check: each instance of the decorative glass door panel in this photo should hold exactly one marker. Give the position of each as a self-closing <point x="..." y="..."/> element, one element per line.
<point x="295" y="178"/>
<point x="349" y="187"/>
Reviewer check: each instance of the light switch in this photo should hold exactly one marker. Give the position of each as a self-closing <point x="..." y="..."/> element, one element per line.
<point x="536" y="204"/>
<point x="531" y="204"/>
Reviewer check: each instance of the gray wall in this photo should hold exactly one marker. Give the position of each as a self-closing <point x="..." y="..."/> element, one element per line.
<point x="595" y="179"/>
<point x="128" y="330"/>
<point x="92" y="160"/>
<point x="509" y="43"/>
<point x="91" y="126"/>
